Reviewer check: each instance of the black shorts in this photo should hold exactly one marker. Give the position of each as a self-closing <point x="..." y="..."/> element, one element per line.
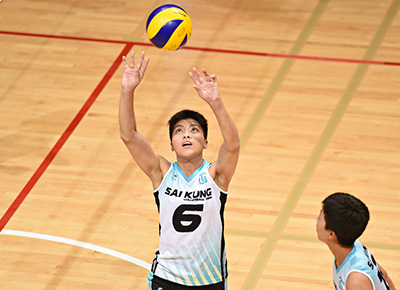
<point x="161" y="284"/>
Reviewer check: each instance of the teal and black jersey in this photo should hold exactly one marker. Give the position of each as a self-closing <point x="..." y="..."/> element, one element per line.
<point x="359" y="260"/>
<point x="192" y="247"/>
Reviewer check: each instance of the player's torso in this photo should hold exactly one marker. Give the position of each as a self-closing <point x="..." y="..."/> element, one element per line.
<point x="191" y="249"/>
<point x="359" y="260"/>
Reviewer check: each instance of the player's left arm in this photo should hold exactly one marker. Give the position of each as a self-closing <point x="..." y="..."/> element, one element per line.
<point x="224" y="167"/>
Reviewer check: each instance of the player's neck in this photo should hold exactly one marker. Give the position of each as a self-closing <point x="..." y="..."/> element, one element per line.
<point x="340" y="253"/>
<point x="189" y="166"/>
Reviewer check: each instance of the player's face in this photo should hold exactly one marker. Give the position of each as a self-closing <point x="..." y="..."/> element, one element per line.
<point x="188" y="138"/>
<point x="322" y="232"/>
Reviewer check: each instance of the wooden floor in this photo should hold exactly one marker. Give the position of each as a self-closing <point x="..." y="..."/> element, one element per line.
<point x="313" y="87"/>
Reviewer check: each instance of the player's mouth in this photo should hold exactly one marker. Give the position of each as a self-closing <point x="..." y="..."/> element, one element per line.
<point x="186" y="144"/>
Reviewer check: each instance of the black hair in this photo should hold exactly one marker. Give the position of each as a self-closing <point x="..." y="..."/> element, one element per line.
<point x="188" y="114"/>
<point x="346" y="215"/>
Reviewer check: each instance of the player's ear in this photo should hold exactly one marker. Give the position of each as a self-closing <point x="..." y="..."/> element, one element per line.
<point x="205" y="144"/>
<point x="172" y="147"/>
<point x="332" y="236"/>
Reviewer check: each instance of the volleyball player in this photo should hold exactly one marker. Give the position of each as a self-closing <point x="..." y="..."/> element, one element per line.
<point x="341" y="222"/>
<point x="190" y="193"/>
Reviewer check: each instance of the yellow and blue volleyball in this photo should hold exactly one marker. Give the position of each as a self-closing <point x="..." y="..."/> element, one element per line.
<point x="169" y="27"/>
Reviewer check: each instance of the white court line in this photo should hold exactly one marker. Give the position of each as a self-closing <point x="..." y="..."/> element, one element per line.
<point x="88" y="246"/>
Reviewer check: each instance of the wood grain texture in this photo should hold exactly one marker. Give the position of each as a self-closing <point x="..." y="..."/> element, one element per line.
<point x="309" y="127"/>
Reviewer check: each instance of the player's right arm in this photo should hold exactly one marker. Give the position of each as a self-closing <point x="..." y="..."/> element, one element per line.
<point x="223" y="168"/>
<point x="152" y="164"/>
<point x="358" y="281"/>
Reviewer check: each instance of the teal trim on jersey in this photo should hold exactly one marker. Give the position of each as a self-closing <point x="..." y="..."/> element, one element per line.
<point x="188" y="271"/>
<point x="215" y="256"/>
<point x="150" y="279"/>
<point x="211" y="270"/>
<point x="202" y="272"/>
<point x="190" y="178"/>
<point x="346" y="260"/>
<point x="175" y="279"/>
<point x="362" y="261"/>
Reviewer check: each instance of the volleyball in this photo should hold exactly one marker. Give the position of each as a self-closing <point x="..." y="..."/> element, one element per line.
<point x="169" y="27"/>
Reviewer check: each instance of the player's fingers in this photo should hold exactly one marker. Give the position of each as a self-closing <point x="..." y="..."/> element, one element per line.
<point x="209" y="78"/>
<point x="140" y="61"/>
<point x="198" y="75"/>
<point x="144" y="66"/>
<point x="124" y="61"/>
<point x="132" y="60"/>
<point x="206" y="75"/>
<point x="194" y="79"/>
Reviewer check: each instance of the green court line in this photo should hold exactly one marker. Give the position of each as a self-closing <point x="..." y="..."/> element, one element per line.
<point x="295" y="194"/>
<point x="247" y="234"/>
<point x="312" y="239"/>
<point x="281" y="74"/>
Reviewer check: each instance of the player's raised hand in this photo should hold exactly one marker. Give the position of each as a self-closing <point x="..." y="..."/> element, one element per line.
<point x="206" y="86"/>
<point x="133" y="73"/>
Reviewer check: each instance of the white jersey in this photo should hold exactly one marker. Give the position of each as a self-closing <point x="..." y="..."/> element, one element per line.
<point x="359" y="260"/>
<point x="192" y="247"/>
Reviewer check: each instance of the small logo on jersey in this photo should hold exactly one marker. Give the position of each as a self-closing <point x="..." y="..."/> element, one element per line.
<point x="203" y="178"/>
<point x="174" y="177"/>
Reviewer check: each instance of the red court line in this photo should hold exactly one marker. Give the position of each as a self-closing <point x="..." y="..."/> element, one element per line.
<point x="229" y="51"/>
<point x="128" y="45"/>
<point x="303" y="57"/>
<point x="64" y="137"/>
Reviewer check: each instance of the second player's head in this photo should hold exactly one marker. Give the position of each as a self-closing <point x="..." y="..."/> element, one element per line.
<point x="345" y="215"/>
